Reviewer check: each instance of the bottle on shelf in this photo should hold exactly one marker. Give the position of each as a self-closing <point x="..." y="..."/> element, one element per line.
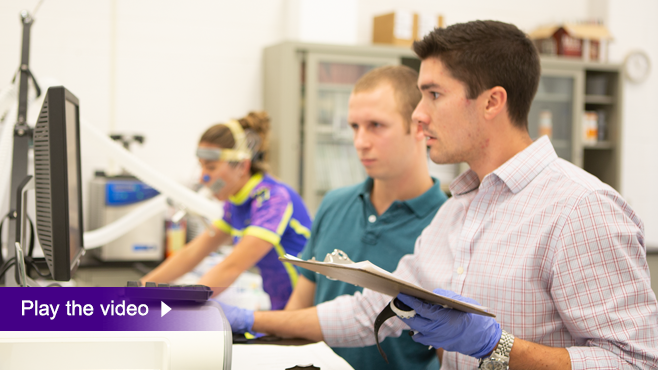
<point x="590" y="128"/>
<point x="546" y="123"/>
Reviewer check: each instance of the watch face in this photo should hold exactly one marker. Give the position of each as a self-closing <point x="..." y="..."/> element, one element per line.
<point x="493" y="365"/>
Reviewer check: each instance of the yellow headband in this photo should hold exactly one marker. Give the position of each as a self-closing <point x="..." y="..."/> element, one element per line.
<point x="240" y="151"/>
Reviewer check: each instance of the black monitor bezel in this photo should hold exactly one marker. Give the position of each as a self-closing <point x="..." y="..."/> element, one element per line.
<point x="63" y="264"/>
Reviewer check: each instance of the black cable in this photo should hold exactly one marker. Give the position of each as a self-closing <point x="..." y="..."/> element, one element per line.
<point x="10" y="262"/>
<point x="31" y="262"/>
<point x="31" y="249"/>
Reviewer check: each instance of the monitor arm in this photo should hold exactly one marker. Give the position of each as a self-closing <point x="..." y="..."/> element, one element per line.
<point x="22" y="136"/>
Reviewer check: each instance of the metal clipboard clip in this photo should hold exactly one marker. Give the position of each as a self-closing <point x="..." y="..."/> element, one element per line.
<point x="338" y="257"/>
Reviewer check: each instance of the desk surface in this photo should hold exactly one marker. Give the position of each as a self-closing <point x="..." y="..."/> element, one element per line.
<point x="111" y="275"/>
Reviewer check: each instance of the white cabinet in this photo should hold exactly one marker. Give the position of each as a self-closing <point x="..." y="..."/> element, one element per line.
<point x="567" y="91"/>
<point x="307" y="86"/>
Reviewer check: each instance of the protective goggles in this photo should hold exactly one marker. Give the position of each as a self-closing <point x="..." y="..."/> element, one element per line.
<point x="238" y="153"/>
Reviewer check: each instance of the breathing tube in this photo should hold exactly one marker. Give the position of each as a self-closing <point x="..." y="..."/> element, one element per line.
<point x="245" y="147"/>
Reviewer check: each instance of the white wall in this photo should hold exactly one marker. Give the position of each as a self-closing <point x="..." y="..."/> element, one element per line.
<point x="633" y="24"/>
<point x="165" y="69"/>
<point x="168" y="69"/>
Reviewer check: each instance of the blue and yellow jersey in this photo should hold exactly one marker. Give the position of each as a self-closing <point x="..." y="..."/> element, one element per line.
<point x="272" y="211"/>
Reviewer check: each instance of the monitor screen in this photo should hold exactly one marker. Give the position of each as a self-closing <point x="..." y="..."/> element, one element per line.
<point x="57" y="182"/>
<point x="72" y="172"/>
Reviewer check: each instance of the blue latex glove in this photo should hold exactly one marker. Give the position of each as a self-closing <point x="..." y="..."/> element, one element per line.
<point x="241" y="319"/>
<point x="453" y="330"/>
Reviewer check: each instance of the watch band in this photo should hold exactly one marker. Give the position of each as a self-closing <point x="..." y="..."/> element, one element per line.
<point x="499" y="359"/>
<point x="396" y="307"/>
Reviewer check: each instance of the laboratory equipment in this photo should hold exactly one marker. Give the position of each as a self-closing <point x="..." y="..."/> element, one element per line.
<point x="111" y="198"/>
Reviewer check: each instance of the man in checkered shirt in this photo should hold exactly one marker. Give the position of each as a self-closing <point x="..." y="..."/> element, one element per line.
<point x="554" y="253"/>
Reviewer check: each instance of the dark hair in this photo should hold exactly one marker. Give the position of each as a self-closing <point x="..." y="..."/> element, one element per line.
<point x="402" y="79"/>
<point x="485" y="54"/>
<point x="256" y="126"/>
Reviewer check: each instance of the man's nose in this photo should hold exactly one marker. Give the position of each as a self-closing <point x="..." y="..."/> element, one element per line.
<point x="419" y="115"/>
<point x="361" y="139"/>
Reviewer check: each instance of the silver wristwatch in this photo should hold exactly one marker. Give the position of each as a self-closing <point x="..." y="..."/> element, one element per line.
<point x="499" y="359"/>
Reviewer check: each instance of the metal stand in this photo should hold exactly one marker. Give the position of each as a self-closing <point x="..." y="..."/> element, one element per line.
<point x="22" y="136"/>
<point x="21" y="228"/>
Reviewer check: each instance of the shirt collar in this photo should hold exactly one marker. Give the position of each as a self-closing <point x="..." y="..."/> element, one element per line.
<point x="426" y="202"/>
<point x="521" y="169"/>
<point x="243" y="194"/>
<point x="516" y="173"/>
<point x="465" y="183"/>
<point x="420" y="205"/>
<point x="366" y="189"/>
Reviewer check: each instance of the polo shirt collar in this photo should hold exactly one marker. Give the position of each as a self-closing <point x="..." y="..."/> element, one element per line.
<point x="420" y="205"/>
<point x="426" y="202"/>
<point x="243" y="194"/>
<point x="366" y="189"/>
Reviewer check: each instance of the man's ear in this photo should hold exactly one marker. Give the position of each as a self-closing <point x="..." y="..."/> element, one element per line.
<point x="496" y="102"/>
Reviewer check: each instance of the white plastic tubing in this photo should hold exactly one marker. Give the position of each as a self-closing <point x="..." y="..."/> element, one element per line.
<point x="108" y="233"/>
<point x="194" y="202"/>
<point x="168" y="188"/>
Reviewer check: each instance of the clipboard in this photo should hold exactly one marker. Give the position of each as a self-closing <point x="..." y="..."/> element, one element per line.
<point x="367" y="275"/>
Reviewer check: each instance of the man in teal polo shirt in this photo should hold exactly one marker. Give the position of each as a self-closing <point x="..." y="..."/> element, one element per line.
<point x="379" y="219"/>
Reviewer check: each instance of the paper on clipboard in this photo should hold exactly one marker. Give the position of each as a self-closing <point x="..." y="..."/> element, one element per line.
<point x="367" y="275"/>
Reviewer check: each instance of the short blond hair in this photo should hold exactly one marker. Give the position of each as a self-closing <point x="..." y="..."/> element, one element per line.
<point x="402" y="79"/>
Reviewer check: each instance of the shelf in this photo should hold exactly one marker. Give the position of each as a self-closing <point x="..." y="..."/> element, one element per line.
<point x="558" y="98"/>
<point x="329" y="137"/>
<point x="599" y="99"/>
<point x="600" y="145"/>
<point x="345" y="88"/>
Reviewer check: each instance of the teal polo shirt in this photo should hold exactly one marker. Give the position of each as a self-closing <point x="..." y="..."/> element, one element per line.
<point x="347" y="220"/>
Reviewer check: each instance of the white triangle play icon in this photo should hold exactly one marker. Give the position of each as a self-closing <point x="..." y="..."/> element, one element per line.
<point x="164" y="309"/>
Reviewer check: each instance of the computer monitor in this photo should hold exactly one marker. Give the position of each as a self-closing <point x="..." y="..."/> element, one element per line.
<point x="58" y="182"/>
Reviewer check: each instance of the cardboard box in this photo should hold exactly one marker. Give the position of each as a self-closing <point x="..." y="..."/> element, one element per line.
<point x="403" y="28"/>
<point x="399" y="28"/>
<point x="427" y="24"/>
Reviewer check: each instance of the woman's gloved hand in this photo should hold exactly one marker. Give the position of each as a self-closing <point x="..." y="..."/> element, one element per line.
<point x="240" y="319"/>
<point x="453" y="330"/>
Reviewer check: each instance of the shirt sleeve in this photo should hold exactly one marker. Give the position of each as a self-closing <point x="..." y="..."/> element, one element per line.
<point x="271" y="211"/>
<point x="224" y="223"/>
<point x="348" y="321"/>
<point x="601" y="286"/>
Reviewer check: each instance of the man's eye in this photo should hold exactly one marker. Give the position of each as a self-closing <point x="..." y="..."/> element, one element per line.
<point x="435" y="95"/>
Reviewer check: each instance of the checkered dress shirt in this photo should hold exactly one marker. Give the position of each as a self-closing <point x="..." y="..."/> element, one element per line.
<point x="554" y="253"/>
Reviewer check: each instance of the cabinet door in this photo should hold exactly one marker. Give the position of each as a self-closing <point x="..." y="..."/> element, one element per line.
<point x="329" y="159"/>
<point x="555" y="111"/>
